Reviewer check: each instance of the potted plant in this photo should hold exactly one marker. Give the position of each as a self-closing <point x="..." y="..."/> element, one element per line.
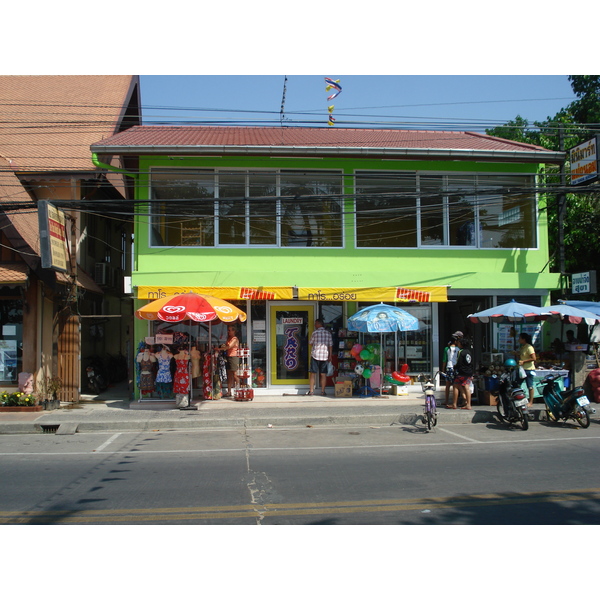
<point x="47" y="396"/>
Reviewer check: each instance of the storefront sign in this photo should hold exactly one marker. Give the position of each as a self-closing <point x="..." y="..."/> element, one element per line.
<point x="291" y="357"/>
<point x="225" y="293"/>
<point x="584" y="162"/>
<point x="312" y="294"/>
<point x="163" y="338"/>
<point x="584" y="283"/>
<point x="53" y="237"/>
<point x="381" y="294"/>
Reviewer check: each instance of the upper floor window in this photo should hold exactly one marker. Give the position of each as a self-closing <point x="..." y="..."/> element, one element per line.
<point x="241" y="208"/>
<point x="411" y="210"/>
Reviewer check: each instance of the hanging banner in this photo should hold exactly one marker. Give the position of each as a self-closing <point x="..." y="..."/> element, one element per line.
<point x="225" y="293"/>
<point x="382" y="294"/>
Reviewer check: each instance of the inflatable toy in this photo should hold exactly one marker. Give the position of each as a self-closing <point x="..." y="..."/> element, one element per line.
<point x="358" y="369"/>
<point x="401" y="376"/>
<point x="367" y="373"/>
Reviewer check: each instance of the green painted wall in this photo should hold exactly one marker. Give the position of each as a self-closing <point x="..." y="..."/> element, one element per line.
<point x="339" y="267"/>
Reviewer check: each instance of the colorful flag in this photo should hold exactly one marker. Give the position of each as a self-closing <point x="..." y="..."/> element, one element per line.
<point x="333" y="85"/>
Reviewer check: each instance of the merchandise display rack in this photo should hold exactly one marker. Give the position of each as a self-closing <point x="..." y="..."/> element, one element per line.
<point x="243" y="391"/>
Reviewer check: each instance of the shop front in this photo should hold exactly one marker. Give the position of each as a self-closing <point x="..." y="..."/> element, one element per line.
<point x="280" y="321"/>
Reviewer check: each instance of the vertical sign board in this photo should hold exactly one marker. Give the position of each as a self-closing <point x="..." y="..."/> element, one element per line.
<point x="53" y="237"/>
<point x="584" y="162"/>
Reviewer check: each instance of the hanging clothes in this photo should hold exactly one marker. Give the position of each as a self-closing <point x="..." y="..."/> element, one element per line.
<point x="181" y="380"/>
<point x="146" y="375"/>
<point x="164" y="381"/>
<point x="207" y="387"/>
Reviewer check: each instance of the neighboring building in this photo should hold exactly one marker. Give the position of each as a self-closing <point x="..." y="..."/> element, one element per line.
<point x="50" y="319"/>
<point x="291" y="223"/>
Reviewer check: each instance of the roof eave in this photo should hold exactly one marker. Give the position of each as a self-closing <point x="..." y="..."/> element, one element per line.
<point x="450" y="153"/>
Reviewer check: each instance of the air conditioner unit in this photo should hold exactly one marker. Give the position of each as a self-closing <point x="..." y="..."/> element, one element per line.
<point x="101" y="273"/>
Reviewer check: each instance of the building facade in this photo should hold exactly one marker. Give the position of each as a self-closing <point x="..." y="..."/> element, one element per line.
<point x="295" y="223"/>
<point x="51" y="319"/>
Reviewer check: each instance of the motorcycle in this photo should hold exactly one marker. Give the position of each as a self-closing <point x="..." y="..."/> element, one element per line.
<point x="567" y="404"/>
<point x="511" y="401"/>
<point x="95" y="379"/>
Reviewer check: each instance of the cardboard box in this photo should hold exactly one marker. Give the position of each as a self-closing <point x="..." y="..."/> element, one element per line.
<point x="343" y="389"/>
<point x="487" y="398"/>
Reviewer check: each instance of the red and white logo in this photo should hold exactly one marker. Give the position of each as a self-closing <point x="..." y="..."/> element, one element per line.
<point x="173" y="309"/>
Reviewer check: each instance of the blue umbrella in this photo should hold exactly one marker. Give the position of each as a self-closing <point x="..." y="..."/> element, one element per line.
<point x="511" y="312"/>
<point x="382" y="318"/>
<point x="571" y="314"/>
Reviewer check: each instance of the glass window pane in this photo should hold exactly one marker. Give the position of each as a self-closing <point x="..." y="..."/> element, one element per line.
<point x="386" y="210"/>
<point x="263" y="209"/>
<point x="309" y="221"/>
<point x="507" y="212"/>
<point x="232" y="211"/>
<point x="461" y="208"/>
<point x="432" y="210"/>
<point x="187" y="215"/>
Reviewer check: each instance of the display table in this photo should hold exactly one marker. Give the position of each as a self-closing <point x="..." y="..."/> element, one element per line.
<point x="540" y="374"/>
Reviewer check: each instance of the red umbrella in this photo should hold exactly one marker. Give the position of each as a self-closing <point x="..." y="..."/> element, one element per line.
<point x="197" y="307"/>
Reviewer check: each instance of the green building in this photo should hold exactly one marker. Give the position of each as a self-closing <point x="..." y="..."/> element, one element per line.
<point x="291" y="223"/>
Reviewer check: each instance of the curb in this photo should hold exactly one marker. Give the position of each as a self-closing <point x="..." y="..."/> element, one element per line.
<point x="192" y="421"/>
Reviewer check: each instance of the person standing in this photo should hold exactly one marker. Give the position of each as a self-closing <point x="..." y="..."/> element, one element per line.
<point x="527" y="361"/>
<point x="464" y="374"/>
<point x="233" y="362"/>
<point x="449" y="360"/>
<point x="320" y="344"/>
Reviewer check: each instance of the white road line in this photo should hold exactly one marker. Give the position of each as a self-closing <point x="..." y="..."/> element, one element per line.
<point x="464" y="437"/>
<point x="107" y="442"/>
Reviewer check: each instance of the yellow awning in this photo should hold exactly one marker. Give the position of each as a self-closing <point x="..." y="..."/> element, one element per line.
<point x="379" y="294"/>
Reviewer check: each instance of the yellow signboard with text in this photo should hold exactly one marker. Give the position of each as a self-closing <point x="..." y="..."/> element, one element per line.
<point x="375" y="294"/>
<point x="379" y="294"/>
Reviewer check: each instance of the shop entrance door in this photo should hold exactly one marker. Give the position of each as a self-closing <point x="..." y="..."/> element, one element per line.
<point x="291" y="326"/>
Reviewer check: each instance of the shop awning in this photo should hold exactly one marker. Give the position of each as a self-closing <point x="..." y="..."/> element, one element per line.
<point x="12" y="274"/>
<point x="376" y="294"/>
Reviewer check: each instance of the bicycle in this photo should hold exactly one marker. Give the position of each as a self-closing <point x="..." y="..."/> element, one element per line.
<point x="430" y="414"/>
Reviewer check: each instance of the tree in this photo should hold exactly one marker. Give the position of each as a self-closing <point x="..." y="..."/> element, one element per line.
<point x="576" y="123"/>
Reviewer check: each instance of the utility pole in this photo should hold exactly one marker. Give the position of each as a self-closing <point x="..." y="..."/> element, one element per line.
<point x="562" y="207"/>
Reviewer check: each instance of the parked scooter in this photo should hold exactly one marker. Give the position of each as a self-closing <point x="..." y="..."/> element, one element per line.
<point x="567" y="404"/>
<point x="96" y="381"/>
<point x="511" y="401"/>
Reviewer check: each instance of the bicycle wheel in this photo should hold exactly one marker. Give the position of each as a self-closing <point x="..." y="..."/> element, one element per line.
<point x="429" y="418"/>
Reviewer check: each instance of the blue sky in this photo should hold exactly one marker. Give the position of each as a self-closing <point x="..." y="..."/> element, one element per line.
<point x="469" y="102"/>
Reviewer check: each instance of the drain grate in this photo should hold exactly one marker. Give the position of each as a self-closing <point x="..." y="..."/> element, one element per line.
<point x="49" y="428"/>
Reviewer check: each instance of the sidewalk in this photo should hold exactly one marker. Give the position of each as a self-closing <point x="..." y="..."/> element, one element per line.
<point x="112" y="411"/>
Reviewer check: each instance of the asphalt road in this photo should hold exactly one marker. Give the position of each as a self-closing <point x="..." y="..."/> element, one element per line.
<point x="458" y="474"/>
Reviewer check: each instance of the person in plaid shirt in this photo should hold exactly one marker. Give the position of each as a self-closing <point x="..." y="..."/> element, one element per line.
<point x="320" y="344"/>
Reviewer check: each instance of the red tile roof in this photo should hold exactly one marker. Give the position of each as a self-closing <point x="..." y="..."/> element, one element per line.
<point x="49" y="121"/>
<point x="157" y="137"/>
<point x="13" y="273"/>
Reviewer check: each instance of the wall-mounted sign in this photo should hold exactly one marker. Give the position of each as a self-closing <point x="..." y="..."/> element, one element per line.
<point x="53" y="237"/>
<point x="584" y="162"/>
<point x="584" y="283"/>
